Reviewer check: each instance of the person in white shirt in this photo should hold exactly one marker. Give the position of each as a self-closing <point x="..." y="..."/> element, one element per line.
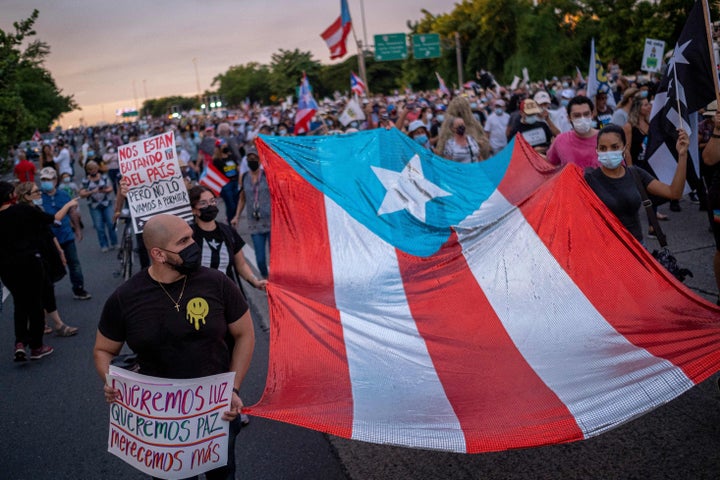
<point x="62" y="161"/>
<point x="496" y="125"/>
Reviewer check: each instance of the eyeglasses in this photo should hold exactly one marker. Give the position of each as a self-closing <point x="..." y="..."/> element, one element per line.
<point x="34" y="192"/>
<point x="205" y="203"/>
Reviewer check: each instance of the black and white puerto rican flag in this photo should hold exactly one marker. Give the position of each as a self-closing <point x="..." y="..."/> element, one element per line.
<point x="689" y="78"/>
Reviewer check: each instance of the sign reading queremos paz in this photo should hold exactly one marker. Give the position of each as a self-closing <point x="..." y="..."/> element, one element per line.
<point x="170" y="428"/>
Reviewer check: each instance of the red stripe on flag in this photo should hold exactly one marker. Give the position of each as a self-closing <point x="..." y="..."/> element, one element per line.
<point x="485" y="387"/>
<point x="304" y="320"/>
<point x="637" y="310"/>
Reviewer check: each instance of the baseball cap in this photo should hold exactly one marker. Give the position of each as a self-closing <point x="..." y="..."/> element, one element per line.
<point x="415" y="125"/>
<point x="711" y="109"/>
<point x="499" y="103"/>
<point x="530" y="107"/>
<point x="48" y="173"/>
<point x="542" y="97"/>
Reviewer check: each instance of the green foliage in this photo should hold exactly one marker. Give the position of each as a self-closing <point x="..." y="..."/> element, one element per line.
<point x="286" y="69"/>
<point x="160" y="107"/>
<point x="29" y="97"/>
<point x="244" y="81"/>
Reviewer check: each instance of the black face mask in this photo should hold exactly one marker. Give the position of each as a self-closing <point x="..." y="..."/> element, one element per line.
<point x="253" y="165"/>
<point x="460" y="130"/>
<point x="190" y="256"/>
<point x="208" y="214"/>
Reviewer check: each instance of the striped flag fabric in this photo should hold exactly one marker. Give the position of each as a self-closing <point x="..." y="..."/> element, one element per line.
<point x="336" y="34"/>
<point x="36" y="136"/>
<point x="213" y="178"/>
<point x="442" y="88"/>
<point x="357" y="86"/>
<point x="307" y="106"/>
<point x="463" y="307"/>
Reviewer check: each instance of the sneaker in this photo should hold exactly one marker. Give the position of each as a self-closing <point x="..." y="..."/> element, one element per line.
<point x="651" y="234"/>
<point x="81" y="294"/>
<point x="113" y="247"/>
<point x="694" y="198"/>
<point x="104" y="249"/>
<point x="20" y="354"/>
<point x="38" y="353"/>
<point x="675" y="206"/>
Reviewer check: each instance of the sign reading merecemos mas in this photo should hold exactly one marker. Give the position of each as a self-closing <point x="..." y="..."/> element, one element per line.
<point x="151" y="170"/>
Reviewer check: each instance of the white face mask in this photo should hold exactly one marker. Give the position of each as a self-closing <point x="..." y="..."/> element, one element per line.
<point x="611" y="159"/>
<point x="582" y="125"/>
<point x="37" y="202"/>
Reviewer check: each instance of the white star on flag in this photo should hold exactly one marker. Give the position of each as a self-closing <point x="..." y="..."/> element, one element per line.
<point x="407" y="190"/>
<point x="677" y="56"/>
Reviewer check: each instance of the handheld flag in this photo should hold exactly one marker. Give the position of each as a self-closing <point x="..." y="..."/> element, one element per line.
<point x="36" y="136"/>
<point x="352" y="113"/>
<point x="307" y="106"/>
<point x="686" y="86"/>
<point x="442" y="88"/>
<point x="464" y="307"/>
<point x="597" y="77"/>
<point x="213" y="178"/>
<point x="336" y="34"/>
<point x="357" y="86"/>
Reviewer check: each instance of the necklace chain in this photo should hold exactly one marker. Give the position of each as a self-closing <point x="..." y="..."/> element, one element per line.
<point x="176" y="303"/>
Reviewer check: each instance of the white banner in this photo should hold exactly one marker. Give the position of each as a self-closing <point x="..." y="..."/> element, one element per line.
<point x="352" y="113"/>
<point x="167" y="428"/>
<point x="156" y="184"/>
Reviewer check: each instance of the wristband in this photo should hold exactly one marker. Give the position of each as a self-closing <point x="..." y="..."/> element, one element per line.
<point x="236" y="391"/>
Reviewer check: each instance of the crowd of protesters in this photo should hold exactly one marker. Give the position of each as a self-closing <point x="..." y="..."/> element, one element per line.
<point x="603" y="131"/>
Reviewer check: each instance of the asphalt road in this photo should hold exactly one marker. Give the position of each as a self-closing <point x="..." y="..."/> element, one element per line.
<point x="53" y="419"/>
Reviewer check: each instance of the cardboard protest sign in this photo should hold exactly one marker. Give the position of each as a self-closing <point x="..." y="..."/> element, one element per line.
<point x="156" y="184"/>
<point x="170" y="428"/>
<point x="652" y="55"/>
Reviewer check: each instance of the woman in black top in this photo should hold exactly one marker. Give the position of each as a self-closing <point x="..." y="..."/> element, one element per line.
<point x="614" y="184"/>
<point x="22" y="270"/>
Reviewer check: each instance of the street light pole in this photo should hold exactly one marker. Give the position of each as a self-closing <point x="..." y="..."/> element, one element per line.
<point x="197" y="79"/>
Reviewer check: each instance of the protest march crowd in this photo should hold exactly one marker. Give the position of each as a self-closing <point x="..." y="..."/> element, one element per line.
<point x="559" y="119"/>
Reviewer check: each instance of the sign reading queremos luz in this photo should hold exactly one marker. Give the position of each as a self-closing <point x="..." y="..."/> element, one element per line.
<point x="170" y="428"/>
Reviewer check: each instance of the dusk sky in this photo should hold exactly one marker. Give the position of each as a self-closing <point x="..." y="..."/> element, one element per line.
<point x="100" y="48"/>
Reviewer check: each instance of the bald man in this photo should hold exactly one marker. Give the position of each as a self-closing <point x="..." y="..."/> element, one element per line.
<point x="182" y="320"/>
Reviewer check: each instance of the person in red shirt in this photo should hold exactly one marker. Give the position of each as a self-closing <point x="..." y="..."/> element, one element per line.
<point x="25" y="169"/>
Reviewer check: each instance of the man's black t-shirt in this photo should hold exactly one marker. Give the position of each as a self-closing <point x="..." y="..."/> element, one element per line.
<point x="188" y="343"/>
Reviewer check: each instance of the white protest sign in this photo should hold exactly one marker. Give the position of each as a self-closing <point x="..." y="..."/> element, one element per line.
<point x="152" y="170"/>
<point x="170" y="428"/>
<point x="652" y="55"/>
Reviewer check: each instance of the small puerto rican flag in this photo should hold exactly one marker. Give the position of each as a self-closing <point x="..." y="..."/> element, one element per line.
<point x="213" y="178"/>
<point x="36" y="136"/>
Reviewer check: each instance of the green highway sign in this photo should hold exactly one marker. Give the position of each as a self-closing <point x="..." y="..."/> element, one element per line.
<point x="391" y="46"/>
<point x="426" y="45"/>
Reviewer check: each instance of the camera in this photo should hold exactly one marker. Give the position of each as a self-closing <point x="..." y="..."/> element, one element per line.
<point x="256" y="214"/>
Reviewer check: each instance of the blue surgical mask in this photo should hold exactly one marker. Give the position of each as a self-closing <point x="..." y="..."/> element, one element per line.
<point x="441" y="118"/>
<point x="611" y="159"/>
<point x="564" y="102"/>
<point x="643" y="94"/>
<point x="530" y="119"/>
<point x="37" y="202"/>
<point x="499" y="111"/>
<point x="473" y="105"/>
<point x="47" y="187"/>
<point x="421" y="139"/>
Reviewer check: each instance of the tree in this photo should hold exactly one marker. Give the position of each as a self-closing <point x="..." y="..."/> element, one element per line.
<point x="251" y="81"/>
<point x="29" y="97"/>
<point x="287" y="68"/>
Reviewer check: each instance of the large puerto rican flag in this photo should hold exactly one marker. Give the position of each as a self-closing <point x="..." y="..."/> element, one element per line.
<point x="336" y="34"/>
<point x="477" y="307"/>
